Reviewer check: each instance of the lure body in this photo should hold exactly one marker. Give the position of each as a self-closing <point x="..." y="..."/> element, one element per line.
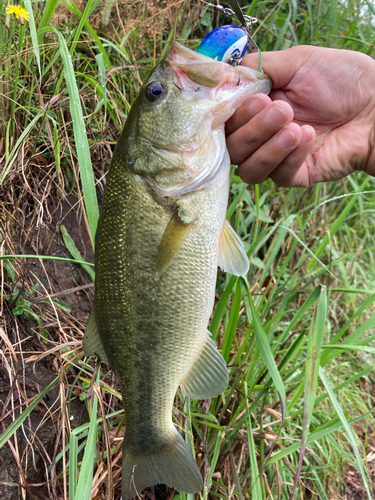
<point x="225" y="42"/>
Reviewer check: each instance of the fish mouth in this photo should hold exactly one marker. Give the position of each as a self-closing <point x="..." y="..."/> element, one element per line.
<point x="230" y="86"/>
<point x="208" y="72"/>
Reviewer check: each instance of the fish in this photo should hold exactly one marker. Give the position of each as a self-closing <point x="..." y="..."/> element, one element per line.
<point x="162" y="233"/>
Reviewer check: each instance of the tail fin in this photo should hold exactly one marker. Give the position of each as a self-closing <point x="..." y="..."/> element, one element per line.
<point x="173" y="465"/>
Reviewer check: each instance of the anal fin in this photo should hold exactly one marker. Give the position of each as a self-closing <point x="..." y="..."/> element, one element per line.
<point x="92" y="344"/>
<point x="232" y="256"/>
<point x="208" y="376"/>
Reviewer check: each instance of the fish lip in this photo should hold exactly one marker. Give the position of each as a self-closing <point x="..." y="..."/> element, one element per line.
<point x="180" y="55"/>
<point x="177" y="50"/>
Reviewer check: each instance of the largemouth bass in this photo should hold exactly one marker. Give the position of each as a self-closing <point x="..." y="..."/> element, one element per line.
<point x="162" y="234"/>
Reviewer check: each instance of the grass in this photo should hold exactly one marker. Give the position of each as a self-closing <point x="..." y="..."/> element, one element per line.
<point x="296" y="420"/>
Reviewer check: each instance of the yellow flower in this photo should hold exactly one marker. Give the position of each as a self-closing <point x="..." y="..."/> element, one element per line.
<point x="18" y="11"/>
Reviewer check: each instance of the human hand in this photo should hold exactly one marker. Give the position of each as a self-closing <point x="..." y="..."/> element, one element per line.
<point x="330" y="96"/>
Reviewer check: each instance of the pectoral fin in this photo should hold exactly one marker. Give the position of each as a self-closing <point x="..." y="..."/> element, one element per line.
<point x="208" y="376"/>
<point x="92" y="344"/>
<point x="171" y="243"/>
<point x="232" y="256"/>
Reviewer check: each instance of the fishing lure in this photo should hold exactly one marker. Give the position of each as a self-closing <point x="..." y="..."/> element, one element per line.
<point x="229" y="43"/>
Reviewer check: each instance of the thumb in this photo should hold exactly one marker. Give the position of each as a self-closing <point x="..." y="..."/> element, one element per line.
<point x="281" y="65"/>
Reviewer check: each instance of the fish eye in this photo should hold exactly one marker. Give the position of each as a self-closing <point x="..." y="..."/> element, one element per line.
<point x="155" y="91"/>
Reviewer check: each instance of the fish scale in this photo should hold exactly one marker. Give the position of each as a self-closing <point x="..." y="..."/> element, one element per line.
<point x="157" y="252"/>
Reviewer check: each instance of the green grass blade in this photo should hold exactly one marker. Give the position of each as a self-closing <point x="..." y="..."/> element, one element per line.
<point x="73" y="250"/>
<point x="45" y="257"/>
<point x="371" y="6"/>
<point x="34" y="36"/>
<point x="266" y="352"/>
<point x="339" y="221"/>
<point x="314" y="347"/>
<point x="232" y="324"/>
<point x="189" y="438"/>
<point x="73" y="452"/>
<point x="220" y="306"/>
<point x="310" y="252"/>
<point x="325" y="430"/>
<point x="49" y="9"/>
<point x="84" y="486"/>
<point x="89" y="7"/>
<point x="351" y="347"/>
<point x="348" y="431"/>
<point x="256" y="490"/>
<point x="101" y="67"/>
<point x="13" y="153"/>
<point x="276" y="245"/>
<point x="232" y="207"/>
<point x="219" y="439"/>
<point x="299" y="314"/>
<point x="82" y="145"/>
<point x="11" y="429"/>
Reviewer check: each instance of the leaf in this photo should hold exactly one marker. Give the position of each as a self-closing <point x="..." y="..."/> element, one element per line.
<point x="73" y="250"/>
<point x="62" y="305"/>
<point x="46" y="257"/>
<point x="73" y="452"/>
<point x="80" y="137"/>
<point x="86" y="475"/>
<point x="348" y="431"/>
<point x="310" y="252"/>
<point x="314" y="347"/>
<point x="256" y="490"/>
<point x="13" y="153"/>
<point x="49" y="9"/>
<point x="220" y="306"/>
<point x="34" y="37"/>
<point x="266" y="352"/>
<point x="11" y="429"/>
<point x="232" y="324"/>
<point x="255" y="261"/>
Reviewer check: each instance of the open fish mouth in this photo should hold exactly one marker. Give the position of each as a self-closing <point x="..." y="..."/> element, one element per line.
<point x="229" y="86"/>
<point x="208" y="72"/>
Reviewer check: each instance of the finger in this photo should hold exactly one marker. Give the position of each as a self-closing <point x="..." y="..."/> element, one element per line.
<point x="260" y="165"/>
<point x="247" y="139"/>
<point x="292" y="171"/>
<point x="248" y="110"/>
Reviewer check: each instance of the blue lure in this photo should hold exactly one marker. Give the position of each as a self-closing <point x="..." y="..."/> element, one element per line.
<point x="225" y="43"/>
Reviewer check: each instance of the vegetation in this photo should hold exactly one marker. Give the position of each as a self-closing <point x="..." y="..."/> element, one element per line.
<point x="298" y="336"/>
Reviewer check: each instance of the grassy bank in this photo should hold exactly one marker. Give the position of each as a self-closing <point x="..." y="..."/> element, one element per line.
<point x="298" y="335"/>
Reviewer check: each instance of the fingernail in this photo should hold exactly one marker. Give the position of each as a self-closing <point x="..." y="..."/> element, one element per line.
<point x="286" y="139"/>
<point x="306" y="138"/>
<point x="276" y="116"/>
<point x="256" y="106"/>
